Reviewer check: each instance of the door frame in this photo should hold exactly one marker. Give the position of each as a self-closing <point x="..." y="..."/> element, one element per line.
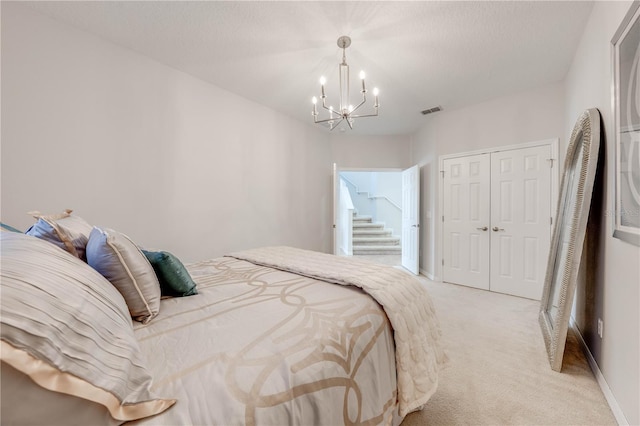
<point x="554" y="144"/>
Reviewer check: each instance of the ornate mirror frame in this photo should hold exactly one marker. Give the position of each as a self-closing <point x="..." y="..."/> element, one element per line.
<point x="565" y="253"/>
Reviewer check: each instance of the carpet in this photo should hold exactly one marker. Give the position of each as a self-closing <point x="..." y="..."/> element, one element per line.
<point x="498" y="373"/>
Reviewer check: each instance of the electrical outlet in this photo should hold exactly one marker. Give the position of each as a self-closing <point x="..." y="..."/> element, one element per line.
<point x="600" y="327"/>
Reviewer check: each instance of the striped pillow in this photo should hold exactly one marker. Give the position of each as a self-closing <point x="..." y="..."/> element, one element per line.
<point x="69" y="330"/>
<point x="120" y="261"/>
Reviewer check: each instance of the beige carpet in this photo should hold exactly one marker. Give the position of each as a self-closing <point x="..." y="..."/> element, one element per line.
<point x="498" y="373"/>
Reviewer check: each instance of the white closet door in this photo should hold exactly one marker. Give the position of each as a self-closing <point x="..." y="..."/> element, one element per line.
<point x="466" y="220"/>
<point x="520" y="220"/>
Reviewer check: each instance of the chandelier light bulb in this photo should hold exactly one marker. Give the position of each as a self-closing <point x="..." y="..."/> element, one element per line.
<point x="364" y="89"/>
<point x="314" y="100"/>
<point x="323" y="81"/>
<point x="375" y="91"/>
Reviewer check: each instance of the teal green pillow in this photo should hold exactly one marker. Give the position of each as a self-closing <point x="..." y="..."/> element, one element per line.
<point x="173" y="276"/>
<point x="5" y="227"/>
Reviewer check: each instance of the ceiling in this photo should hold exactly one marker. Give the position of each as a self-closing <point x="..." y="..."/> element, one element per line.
<point x="419" y="54"/>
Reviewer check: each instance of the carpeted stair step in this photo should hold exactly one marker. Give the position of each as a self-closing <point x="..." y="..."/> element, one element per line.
<point x="372" y="238"/>
<point x="371" y="249"/>
<point x="376" y="241"/>
<point x="359" y="233"/>
<point x="367" y="225"/>
<point x="362" y="219"/>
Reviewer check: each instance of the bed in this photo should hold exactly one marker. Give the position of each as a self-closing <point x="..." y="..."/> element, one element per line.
<point x="273" y="336"/>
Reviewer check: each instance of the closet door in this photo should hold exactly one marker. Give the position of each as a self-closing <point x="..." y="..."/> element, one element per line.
<point x="466" y="220"/>
<point x="520" y="220"/>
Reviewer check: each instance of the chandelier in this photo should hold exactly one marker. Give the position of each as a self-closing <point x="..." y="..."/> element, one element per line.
<point x="346" y="110"/>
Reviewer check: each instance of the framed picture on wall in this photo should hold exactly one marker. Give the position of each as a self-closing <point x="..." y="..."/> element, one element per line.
<point x="626" y="108"/>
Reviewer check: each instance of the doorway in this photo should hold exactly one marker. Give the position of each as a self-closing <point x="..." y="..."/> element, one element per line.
<point x="376" y="215"/>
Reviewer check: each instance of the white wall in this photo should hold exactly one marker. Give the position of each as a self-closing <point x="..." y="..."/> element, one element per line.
<point x="612" y="289"/>
<point x="129" y="143"/>
<point x="389" y="184"/>
<point x="519" y="118"/>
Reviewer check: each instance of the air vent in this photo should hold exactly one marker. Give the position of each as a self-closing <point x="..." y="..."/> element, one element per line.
<point x="431" y="110"/>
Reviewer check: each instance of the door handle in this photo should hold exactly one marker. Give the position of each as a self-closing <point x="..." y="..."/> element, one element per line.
<point x="484" y="228"/>
<point x="496" y="229"/>
<point x="415" y="226"/>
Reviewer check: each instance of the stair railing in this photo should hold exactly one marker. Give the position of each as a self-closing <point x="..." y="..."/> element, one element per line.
<point x="372" y="197"/>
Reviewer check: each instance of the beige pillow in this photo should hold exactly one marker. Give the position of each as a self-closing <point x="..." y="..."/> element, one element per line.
<point x="24" y="402"/>
<point x="120" y="261"/>
<point x="68" y="330"/>
<point x="70" y="233"/>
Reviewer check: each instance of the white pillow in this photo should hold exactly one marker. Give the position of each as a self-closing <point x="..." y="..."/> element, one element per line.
<point x="120" y="261"/>
<point x="69" y="330"/>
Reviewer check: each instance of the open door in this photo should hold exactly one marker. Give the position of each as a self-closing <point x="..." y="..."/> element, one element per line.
<point x="335" y="181"/>
<point x="411" y="219"/>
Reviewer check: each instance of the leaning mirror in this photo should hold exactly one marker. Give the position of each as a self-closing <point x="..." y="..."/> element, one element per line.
<point x="568" y="234"/>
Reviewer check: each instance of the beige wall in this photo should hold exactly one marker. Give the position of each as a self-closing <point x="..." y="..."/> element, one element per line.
<point x="370" y="152"/>
<point x="610" y="289"/>
<point x="610" y="282"/>
<point x="129" y="143"/>
<point x="515" y="119"/>
<point x="176" y="163"/>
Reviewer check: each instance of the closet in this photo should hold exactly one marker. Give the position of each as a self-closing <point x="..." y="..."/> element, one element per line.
<point x="497" y="219"/>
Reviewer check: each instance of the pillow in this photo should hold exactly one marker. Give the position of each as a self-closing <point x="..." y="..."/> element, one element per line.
<point x="8" y="228"/>
<point x="24" y="402"/>
<point x="120" y="261"/>
<point x="173" y="276"/>
<point x="70" y="233"/>
<point x="68" y="329"/>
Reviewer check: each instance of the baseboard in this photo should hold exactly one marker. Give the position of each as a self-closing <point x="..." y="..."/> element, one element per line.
<point x="604" y="387"/>
<point x="428" y="274"/>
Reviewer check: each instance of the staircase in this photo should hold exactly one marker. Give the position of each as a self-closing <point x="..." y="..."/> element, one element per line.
<point x="373" y="238"/>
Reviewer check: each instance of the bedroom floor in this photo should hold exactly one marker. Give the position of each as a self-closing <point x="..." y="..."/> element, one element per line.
<point x="497" y="371"/>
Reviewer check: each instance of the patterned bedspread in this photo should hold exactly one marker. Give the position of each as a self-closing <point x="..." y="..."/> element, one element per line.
<point x="263" y="346"/>
<point x="404" y="299"/>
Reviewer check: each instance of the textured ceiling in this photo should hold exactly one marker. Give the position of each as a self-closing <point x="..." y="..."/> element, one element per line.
<point x="419" y="54"/>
